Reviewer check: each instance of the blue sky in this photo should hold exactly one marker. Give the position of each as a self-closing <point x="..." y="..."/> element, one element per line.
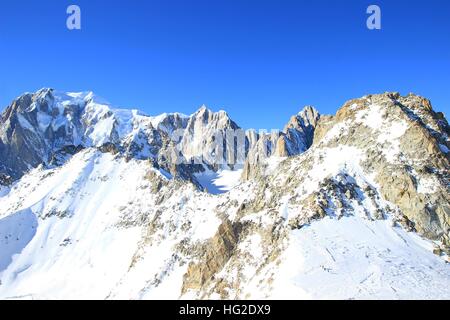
<point x="260" y="60"/>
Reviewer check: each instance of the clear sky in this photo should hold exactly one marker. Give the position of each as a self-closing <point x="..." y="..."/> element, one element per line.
<point x="259" y="60"/>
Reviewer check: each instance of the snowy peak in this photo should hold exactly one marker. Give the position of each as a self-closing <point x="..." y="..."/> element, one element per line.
<point x="202" y="139"/>
<point x="384" y="112"/>
<point x="169" y="122"/>
<point x="203" y="109"/>
<point x="205" y="117"/>
<point x="36" y="126"/>
<point x="307" y="117"/>
<point x="33" y="126"/>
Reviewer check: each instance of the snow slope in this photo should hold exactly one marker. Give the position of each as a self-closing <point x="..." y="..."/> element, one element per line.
<point x="219" y="182"/>
<point x="76" y="231"/>
<point x="354" y="258"/>
<point x="78" y="255"/>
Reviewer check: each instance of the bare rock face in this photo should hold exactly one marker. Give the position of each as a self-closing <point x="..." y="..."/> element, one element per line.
<point x="296" y="137"/>
<point x="210" y="137"/>
<point x="109" y="147"/>
<point x="298" y="134"/>
<point x="214" y="255"/>
<point x="169" y="123"/>
<point x="59" y="157"/>
<point x="21" y="147"/>
<point x="5" y="180"/>
<point x="264" y="147"/>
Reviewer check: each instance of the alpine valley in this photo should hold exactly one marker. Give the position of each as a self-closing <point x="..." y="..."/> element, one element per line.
<point x="103" y="203"/>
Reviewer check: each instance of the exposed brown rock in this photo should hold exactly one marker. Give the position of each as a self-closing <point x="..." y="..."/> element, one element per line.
<point x="109" y="147"/>
<point x="215" y="254"/>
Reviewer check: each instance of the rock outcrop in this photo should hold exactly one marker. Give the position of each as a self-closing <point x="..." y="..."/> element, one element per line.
<point x="214" y="254"/>
<point x="296" y="137"/>
<point x="298" y="134"/>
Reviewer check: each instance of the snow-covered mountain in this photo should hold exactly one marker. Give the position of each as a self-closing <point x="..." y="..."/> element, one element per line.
<point x="36" y="127"/>
<point x="47" y="127"/>
<point x="98" y="202"/>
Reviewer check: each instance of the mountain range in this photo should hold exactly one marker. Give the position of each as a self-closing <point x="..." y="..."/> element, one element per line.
<point x="104" y="203"/>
